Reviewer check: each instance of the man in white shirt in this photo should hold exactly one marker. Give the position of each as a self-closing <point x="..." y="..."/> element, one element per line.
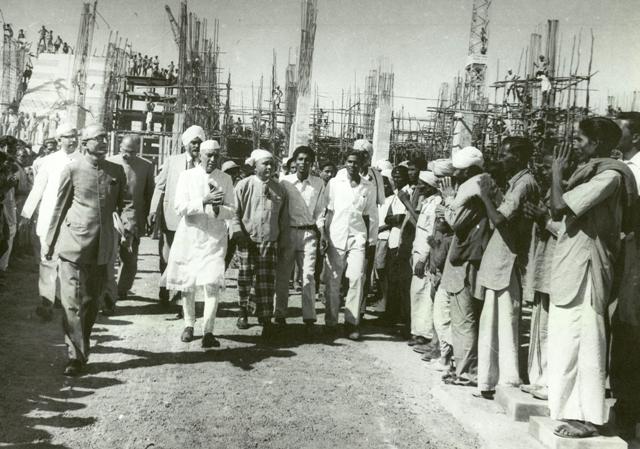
<point x="43" y="197"/>
<point x="306" y="195"/>
<point x="352" y="225"/>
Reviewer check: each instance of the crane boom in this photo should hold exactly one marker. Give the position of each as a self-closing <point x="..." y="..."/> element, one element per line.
<point x="175" y="28"/>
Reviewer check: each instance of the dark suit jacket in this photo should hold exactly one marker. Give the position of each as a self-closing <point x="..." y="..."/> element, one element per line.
<point x="82" y="228"/>
<point x="140" y="185"/>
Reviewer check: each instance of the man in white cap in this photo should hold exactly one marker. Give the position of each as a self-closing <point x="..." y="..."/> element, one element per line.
<point x="82" y="233"/>
<point x="140" y="187"/>
<point x="232" y="169"/>
<point x="421" y="285"/>
<point x="351" y="226"/>
<point x="204" y="200"/>
<point x="503" y="268"/>
<point x="162" y="206"/>
<point x="459" y="295"/>
<point x="260" y="223"/>
<point x="43" y="198"/>
<point x="306" y="195"/>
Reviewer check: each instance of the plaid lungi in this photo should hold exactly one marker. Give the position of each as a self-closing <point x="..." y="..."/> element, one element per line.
<point x="257" y="261"/>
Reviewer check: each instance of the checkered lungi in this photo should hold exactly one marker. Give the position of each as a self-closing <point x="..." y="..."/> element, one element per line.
<point x="258" y="260"/>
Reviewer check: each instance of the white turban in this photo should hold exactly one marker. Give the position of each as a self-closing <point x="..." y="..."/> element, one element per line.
<point x="404" y="164"/>
<point x="382" y="165"/>
<point x="66" y="130"/>
<point x="429" y="178"/>
<point x="257" y="155"/>
<point x="209" y="145"/>
<point x="467" y="157"/>
<point x="92" y="131"/>
<point x="228" y="165"/>
<point x="363" y="145"/>
<point x="191" y="133"/>
<point x="386" y="173"/>
<point x="442" y="167"/>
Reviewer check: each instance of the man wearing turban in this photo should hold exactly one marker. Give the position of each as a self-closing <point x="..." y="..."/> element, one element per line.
<point x="162" y="207"/>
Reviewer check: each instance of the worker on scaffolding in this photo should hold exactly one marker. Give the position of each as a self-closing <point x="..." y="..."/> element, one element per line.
<point x="42" y="42"/>
<point x="277" y="97"/>
<point x="8" y="32"/>
<point x="57" y="44"/>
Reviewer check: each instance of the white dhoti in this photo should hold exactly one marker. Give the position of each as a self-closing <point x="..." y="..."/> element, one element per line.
<point x="577" y="359"/>
<point x="498" y="337"/>
<point x="538" y="338"/>
<point x="421" y="307"/>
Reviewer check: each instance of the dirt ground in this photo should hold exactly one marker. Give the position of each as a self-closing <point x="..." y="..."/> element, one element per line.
<point x="146" y="389"/>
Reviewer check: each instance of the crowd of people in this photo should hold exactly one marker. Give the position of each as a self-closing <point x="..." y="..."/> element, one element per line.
<point x="150" y="66"/>
<point x="447" y="251"/>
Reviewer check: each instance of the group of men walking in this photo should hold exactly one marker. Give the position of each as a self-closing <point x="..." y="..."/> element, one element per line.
<point x="452" y="252"/>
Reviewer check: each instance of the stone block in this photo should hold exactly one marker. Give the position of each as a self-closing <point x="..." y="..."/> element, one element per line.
<point x="518" y="405"/>
<point x="541" y="428"/>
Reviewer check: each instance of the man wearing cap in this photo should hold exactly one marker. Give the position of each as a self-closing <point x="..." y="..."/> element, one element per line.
<point x="260" y="223"/>
<point x="306" y="195"/>
<point x="43" y="198"/>
<point x="162" y="206"/>
<point x="82" y="233"/>
<point x="137" y="200"/>
<point x="204" y="200"/>
<point x="502" y="268"/>
<point x="457" y="303"/>
<point x="421" y="285"/>
<point x="232" y="169"/>
<point x="351" y="224"/>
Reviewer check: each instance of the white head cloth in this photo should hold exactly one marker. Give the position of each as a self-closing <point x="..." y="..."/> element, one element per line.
<point x="382" y="165"/>
<point x="363" y="145"/>
<point x="442" y="167"/>
<point x="209" y="145"/>
<point x="257" y="155"/>
<point x="66" y="130"/>
<point x="228" y="165"/>
<point x="467" y="157"/>
<point x="404" y="164"/>
<point x="429" y="178"/>
<point x="191" y="133"/>
<point x="386" y="173"/>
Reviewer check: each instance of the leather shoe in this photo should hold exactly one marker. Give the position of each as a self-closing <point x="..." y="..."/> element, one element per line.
<point x="187" y="334"/>
<point x="417" y="340"/>
<point x="242" y="323"/>
<point x="209" y="341"/>
<point x="73" y="368"/>
<point x="423" y="349"/>
<point x="352" y="331"/>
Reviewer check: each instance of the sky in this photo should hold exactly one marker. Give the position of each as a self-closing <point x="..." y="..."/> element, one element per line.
<point x="425" y="41"/>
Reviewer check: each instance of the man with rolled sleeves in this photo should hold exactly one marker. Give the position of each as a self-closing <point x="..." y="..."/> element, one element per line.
<point x="82" y="233"/>
<point x="140" y="186"/>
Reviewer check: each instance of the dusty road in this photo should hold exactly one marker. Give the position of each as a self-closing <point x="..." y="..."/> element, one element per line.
<point x="146" y="389"/>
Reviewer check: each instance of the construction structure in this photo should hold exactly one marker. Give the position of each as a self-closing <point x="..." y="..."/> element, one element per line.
<point x="14" y="56"/>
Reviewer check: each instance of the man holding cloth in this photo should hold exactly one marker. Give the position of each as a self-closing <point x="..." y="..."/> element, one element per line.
<point x="140" y="186"/>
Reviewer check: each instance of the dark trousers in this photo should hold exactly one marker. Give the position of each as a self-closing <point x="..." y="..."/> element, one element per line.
<point x="128" y="267"/>
<point x="625" y="370"/>
<point x="81" y="287"/>
<point x="399" y="281"/>
<point x="164" y="248"/>
<point x="465" y="314"/>
<point x="231" y="250"/>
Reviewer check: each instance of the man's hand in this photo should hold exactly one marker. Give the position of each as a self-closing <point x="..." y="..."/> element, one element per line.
<point x="448" y="190"/>
<point x="240" y="238"/>
<point x="215" y="198"/>
<point x="561" y="159"/>
<point x="418" y="269"/>
<point x="403" y="196"/>
<point x="537" y="213"/>
<point x="151" y="220"/>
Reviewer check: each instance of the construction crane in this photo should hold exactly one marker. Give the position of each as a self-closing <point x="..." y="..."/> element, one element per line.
<point x="175" y="28"/>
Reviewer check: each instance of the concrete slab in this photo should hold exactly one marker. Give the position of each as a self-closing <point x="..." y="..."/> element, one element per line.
<point x="518" y="405"/>
<point x="541" y="428"/>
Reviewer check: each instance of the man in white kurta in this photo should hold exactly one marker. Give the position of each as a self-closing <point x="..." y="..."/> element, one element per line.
<point x="592" y="203"/>
<point x="351" y="225"/>
<point x="43" y="198"/>
<point x="204" y="200"/>
<point x="306" y="195"/>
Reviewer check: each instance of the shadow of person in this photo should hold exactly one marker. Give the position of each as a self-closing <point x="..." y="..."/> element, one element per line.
<point x="242" y="357"/>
